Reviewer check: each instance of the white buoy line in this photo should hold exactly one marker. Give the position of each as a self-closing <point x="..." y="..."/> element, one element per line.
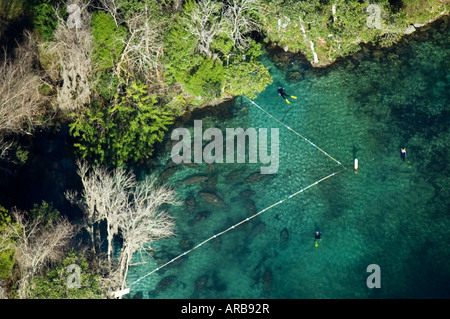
<point x="260" y="212"/>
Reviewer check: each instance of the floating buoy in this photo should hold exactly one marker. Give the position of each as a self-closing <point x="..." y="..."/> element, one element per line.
<point x="356" y="165"/>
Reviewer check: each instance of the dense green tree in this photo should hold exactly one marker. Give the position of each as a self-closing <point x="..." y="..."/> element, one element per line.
<point x="247" y="78"/>
<point x="206" y="81"/>
<point x="43" y="16"/>
<point x="200" y="76"/>
<point x="56" y="283"/>
<point x="123" y="131"/>
<point x="8" y="231"/>
<point x="214" y="66"/>
<point x="107" y="44"/>
<point x="45" y="212"/>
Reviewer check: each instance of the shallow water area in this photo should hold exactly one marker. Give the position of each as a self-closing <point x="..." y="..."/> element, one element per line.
<point x="392" y="212"/>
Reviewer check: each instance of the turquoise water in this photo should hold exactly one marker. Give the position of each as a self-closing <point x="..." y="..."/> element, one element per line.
<point x="392" y="213"/>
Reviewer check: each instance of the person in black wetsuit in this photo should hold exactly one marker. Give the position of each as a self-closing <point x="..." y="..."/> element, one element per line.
<point x="282" y="93"/>
<point x="317" y="235"/>
<point x="403" y="153"/>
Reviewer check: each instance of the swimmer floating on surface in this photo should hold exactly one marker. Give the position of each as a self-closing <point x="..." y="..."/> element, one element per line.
<point x="317" y="236"/>
<point x="403" y="153"/>
<point x="284" y="95"/>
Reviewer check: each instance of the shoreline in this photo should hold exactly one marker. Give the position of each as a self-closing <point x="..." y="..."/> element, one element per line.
<point x="273" y="47"/>
<point x="408" y="31"/>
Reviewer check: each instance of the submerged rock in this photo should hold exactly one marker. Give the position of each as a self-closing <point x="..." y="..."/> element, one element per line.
<point x="198" y="217"/>
<point x="255" y="177"/>
<point x="250" y="206"/>
<point x="211" y="198"/>
<point x="190" y="204"/>
<point x="234" y="175"/>
<point x="284" y="234"/>
<point x="164" y="284"/>
<point x="194" y="179"/>
<point x="247" y="193"/>
<point x="294" y="76"/>
<point x="267" y="280"/>
<point x="167" y="173"/>
<point x="377" y="53"/>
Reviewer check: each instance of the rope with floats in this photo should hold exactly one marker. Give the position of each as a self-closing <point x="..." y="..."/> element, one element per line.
<point x="295" y="132"/>
<point x="260" y="212"/>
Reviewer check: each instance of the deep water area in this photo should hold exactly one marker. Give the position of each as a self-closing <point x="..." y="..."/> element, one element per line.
<point x="393" y="212"/>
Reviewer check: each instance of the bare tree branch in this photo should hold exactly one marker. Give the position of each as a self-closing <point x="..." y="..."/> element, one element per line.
<point x="239" y="21"/>
<point x="144" y="222"/>
<point x="143" y="47"/>
<point x="37" y="245"/>
<point x="4" y="147"/>
<point x="70" y="61"/>
<point x="104" y="196"/>
<point x="113" y="8"/>
<point x="129" y="207"/>
<point x="204" y="22"/>
<point x="20" y="101"/>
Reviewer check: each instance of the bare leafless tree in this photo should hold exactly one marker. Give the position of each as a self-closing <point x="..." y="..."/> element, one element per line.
<point x="129" y="207"/>
<point x="86" y="203"/>
<point x="144" y="222"/>
<point x="21" y="104"/>
<point x="143" y="47"/>
<point x="38" y="244"/>
<point x="113" y="8"/>
<point x="104" y="196"/>
<point x="4" y="147"/>
<point x="240" y="21"/>
<point x="70" y="61"/>
<point x="204" y="22"/>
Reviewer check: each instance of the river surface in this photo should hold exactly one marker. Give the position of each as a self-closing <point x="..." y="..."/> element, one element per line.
<point x="393" y="212"/>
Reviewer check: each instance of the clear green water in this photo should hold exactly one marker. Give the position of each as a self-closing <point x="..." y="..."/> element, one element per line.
<point x="392" y="213"/>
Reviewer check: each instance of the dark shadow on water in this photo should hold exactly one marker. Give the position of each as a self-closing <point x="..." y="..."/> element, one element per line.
<point x="49" y="171"/>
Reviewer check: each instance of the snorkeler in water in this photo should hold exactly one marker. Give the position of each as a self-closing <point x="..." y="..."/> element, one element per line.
<point x="403" y="153"/>
<point x="317" y="237"/>
<point x="284" y="95"/>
